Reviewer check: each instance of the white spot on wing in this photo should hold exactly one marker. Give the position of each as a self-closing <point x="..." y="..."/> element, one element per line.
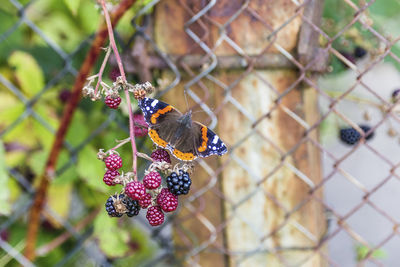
<point x="147" y="108"/>
<point x="215" y="140"/>
<point x="154" y="103"/>
<point x="214" y="148"/>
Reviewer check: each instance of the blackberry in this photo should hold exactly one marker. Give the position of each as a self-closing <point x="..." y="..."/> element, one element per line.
<point x="351" y="136"/>
<point x="359" y="52"/>
<point x="160" y="155"/>
<point x="167" y="201"/>
<point x="349" y="56"/>
<point x="132" y="207"/>
<point x="145" y="201"/>
<point x="109" y="177"/>
<point x="114" y="74"/>
<point x="141" y="125"/>
<point x="135" y="190"/>
<point x="112" y="102"/>
<point x="366" y="129"/>
<point x="152" y="180"/>
<point x="155" y="216"/>
<point x="395" y="95"/>
<point x="179" y="184"/>
<point x="64" y="96"/>
<point x="113" y="162"/>
<point x="111" y="207"/>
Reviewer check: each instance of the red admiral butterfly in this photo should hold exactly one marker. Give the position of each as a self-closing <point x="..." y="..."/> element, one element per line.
<point x="172" y="130"/>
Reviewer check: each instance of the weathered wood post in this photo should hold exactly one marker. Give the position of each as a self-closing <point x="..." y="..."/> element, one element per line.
<point x="258" y="210"/>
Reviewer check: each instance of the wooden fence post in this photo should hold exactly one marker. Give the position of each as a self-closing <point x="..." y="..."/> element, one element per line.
<point x="269" y="172"/>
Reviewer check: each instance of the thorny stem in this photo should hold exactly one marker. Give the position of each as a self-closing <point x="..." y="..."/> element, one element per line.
<point x="121" y="143"/>
<point x="49" y="173"/>
<point x="103" y="66"/>
<point x="128" y="100"/>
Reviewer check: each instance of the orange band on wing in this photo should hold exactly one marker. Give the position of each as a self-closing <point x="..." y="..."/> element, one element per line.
<point x="203" y="146"/>
<point x="183" y="156"/>
<point x="154" y="117"/>
<point x="156" y="138"/>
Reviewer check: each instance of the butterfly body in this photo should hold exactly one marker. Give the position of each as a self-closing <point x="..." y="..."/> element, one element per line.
<point x="177" y="132"/>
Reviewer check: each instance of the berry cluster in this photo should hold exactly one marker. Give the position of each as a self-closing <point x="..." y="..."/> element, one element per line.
<point x="113" y="163"/>
<point x="351" y="136"/>
<point x="148" y="193"/>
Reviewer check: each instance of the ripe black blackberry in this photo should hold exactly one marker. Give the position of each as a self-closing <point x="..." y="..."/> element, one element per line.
<point x="110" y="208"/>
<point x="395" y="95"/>
<point x="351" y="136"/>
<point x="132" y="206"/>
<point x="179" y="184"/>
<point x="359" y="52"/>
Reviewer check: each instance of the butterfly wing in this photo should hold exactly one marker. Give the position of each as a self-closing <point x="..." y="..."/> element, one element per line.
<point x="207" y="142"/>
<point x="185" y="143"/>
<point x="162" y="120"/>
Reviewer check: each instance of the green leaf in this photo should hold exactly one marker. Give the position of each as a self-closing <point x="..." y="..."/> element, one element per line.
<point x="27" y="71"/>
<point x="112" y="238"/>
<point x="90" y="169"/>
<point x="79" y="129"/>
<point x="58" y="200"/>
<point x="72" y="5"/>
<point x="362" y="252"/>
<point x="5" y="207"/>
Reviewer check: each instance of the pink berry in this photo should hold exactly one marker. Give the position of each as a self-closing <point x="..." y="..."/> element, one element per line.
<point x="145" y="201"/>
<point x="167" y="201"/>
<point x="109" y="177"/>
<point x="135" y="190"/>
<point x="112" y="102"/>
<point x="114" y="74"/>
<point x="113" y="162"/>
<point x="152" y="180"/>
<point x="161" y="155"/>
<point x="140" y="125"/>
<point x="155" y="216"/>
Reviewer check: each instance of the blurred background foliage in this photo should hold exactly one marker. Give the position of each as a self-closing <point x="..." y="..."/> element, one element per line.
<point x="42" y="77"/>
<point x="43" y="81"/>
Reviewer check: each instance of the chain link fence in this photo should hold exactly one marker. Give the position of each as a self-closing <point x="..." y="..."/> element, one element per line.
<point x="277" y="80"/>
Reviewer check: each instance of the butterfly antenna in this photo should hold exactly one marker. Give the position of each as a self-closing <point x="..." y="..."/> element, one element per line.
<point x="185" y="94"/>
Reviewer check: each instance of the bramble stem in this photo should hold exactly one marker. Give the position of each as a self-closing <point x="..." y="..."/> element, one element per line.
<point x="121" y="143"/>
<point x="128" y="100"/>
<point x="103" y="66"/>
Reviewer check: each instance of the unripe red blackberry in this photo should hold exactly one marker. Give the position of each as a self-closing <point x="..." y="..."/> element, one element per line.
<point x="114" y="74"/>
<point x="135" y="190"/>
<point x="167" y="201"/>
<point x="155" y="216"/>
<point x="113" y="162"/>
<point x="145" y="201"/>
<point x="141" y="125"/>
<point x="109" y="177"/>
<point x="152" y="180"/>
<point x="112" y="102"/>
<point x="161" y="155"/>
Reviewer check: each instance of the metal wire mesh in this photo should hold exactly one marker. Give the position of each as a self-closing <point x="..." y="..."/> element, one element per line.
<point x="283" y="196"/>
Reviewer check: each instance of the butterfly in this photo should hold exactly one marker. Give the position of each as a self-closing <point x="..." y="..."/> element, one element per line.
<point x="184" y="138"/>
